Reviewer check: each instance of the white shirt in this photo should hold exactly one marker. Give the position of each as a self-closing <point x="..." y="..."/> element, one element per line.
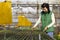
<point x="50" y="25"/>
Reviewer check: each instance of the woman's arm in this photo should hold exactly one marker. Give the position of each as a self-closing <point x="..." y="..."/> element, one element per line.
<point x="53" y="20"/>
<point x="39" y="21"/>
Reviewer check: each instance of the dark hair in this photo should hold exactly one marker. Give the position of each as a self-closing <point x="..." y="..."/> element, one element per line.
<point x="46" y="5"/>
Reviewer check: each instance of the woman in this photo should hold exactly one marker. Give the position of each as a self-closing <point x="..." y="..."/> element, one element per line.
<point x="47" y="19"/>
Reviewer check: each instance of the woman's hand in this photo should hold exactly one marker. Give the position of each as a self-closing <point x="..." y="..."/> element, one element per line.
<point x="45" y="29"/>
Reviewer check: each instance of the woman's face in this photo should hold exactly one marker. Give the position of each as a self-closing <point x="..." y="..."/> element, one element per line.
<point x="45" y="9"/>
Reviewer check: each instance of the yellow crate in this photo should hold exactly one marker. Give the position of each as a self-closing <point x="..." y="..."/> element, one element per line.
<point x="5" y="13"/>
<point x="8" y="0"/>
<point x="23" y="21"/>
